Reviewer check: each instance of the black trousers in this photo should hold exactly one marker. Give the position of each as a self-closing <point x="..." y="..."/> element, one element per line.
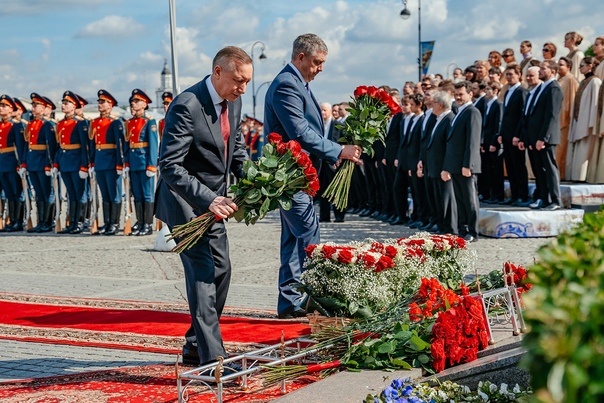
<point x="545" y="161"/>
<point x="466" y="196"/>
<point x="494" y="173"/>
<point x="449" y="207"/>
<point x="515" y="163"/>
<point x="207" y="269"/>
<point x="420" y="199"/>
<point x="401" y="192"/>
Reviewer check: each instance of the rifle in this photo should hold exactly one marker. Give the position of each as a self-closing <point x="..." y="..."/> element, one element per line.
<point x="94" y="222"/>
<point x="55" y="186"/>
<point x="127" y="224"/>
<point x="1" y="214"/>
<point x="25" y="187"/>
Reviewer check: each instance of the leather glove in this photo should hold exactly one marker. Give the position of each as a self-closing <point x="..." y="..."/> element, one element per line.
<point x="91" y="171"/>
<point x="83" y="174"/>
<point x="150" y="174"/>
<point x="22" y="172"/>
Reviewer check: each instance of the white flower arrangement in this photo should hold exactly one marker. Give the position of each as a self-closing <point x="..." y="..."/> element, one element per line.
<point x="364" y="277"/>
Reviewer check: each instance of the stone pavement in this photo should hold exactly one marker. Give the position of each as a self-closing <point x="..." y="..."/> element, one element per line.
<point x="126" y="268"/>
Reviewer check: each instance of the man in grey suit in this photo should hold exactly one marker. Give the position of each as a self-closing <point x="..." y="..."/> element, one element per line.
<point x="462" y="160"/>
<point x="201" y="144"/>
<point x="543" y="134"/>
<point x="292" y="111"/>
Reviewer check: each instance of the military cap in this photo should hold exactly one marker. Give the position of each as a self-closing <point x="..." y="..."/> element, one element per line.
<point x="167" y="96"/>
<point x="105" y="95"/>
<point x="83" y="101"/>
<point x="73" y="98"/>
<point x="35" y="97"/>
<point x="19" y="104"/>
<point x="140" y="94"/>
<point x="7" y="100"/>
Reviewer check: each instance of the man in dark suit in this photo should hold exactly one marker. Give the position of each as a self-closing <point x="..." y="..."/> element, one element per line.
<point x="292" y="111"/>
<point x="427" y="126"/>
<point x="201" y="144"/>
<point x="543" y="134"/>
<point x="480" y="103"/>
<point x="509" y="136"/>
<point x="327" y="172"/>
<point x="388" y="156"/>
<point x="493" y="168"/>
<point x="462" y="160"/>
<point x="440" y="191"/>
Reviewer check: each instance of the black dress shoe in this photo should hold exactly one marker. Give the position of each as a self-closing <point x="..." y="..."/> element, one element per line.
<point x="470" y="238"/>
<point x="366" y="213"/>
<point x="434" y="229"/>
<point x="416" y="224"/>
<point x="190" y="356"/>
<point x="397" y="221"/>
<point x="324" y="220"/>
<point x="507" y="202"/>
<point x="338" y="220"/>
<point x="425" y="227"/>
<point x="517" y="203"/>
<point x="552" y="207"/>
<point x="297" y="313"/>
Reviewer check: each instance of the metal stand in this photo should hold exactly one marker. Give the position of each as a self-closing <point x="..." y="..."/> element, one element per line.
<point x="212" y="375"/>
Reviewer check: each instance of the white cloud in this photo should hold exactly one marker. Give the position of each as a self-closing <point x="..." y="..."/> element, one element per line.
<point x="111" y="26"/>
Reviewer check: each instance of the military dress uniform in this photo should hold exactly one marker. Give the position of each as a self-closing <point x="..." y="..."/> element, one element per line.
<point x="71" y="159"/>
<point x="106" y="157"/>
<point x="167" y="98"/>
<point x="37" y="160"/>
<point x="12" y="144"/>
<point x="140" y="156"/>
<point x="79" y="114"/>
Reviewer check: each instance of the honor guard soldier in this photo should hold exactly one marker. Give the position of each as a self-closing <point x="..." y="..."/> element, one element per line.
<point x="12" y="144"/>
<point x="79" y="113"/>
<point x="167" y="100"/>
<point x="106" y="160"/>
<point x="71" y="160"/>
<point x="37" y="160"/>
<point x="18" y="113"/>
<point x="140" y="155"/>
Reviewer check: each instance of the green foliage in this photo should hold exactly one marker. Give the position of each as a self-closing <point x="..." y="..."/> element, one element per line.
<point x="406" y="346"/>
<point x="590" y="51"/>
<point x="564" y="312"/>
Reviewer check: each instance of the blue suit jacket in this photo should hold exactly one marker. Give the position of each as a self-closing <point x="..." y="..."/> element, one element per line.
<point x="294" y="113"/>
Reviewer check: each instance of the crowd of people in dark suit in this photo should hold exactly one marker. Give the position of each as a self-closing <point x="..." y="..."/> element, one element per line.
<point x="456" y="141"/>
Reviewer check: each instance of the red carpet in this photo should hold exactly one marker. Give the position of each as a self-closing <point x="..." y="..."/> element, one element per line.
<point x="138" y="329"/>
<point x="155" y="383"/>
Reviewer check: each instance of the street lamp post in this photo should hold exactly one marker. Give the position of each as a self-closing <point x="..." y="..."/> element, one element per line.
<point x="261" y="57"/>
<point x="405" y="14"/>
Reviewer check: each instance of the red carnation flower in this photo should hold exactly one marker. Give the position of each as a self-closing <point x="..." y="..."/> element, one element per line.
<point x="309" y="249"/>
<point x="361" y="90"/>
<point x="345" y="256"/>
<point x="294" y="147"/>
<point x="368" y="259"/>
<point x="391" y="251"/>
<point x="327" y="251"/>
<point x="281" y="148"/>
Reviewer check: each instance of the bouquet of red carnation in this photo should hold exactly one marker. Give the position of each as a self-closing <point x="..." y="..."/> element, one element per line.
<point x="369" y="115"/>
<point x="282" y="171"/>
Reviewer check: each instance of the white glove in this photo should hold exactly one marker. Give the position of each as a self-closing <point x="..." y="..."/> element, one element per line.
<point x="53" y="171"/>
<point x="120" y="172"/>
<point x="83" y="175"/>
<point x="48" y="173"/>
<point x="91" y="171"/>
<point x="126" y="170"/>
<point x="150" y="174"/>
<point x="22" y="172"/>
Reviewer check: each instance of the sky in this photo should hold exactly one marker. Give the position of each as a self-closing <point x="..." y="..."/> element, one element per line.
<point x="118" y="45"/>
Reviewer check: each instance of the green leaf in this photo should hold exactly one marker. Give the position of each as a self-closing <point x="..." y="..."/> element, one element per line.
<point x="280" y="175"/>
<point x="400" y="363"/>
<point x="268" y="149"/>
<point x="239" y="215"/>
<point x="251" y="173"/>
<point x="252" y="196"/>
<point x="418" y="344"/>
<point x="271" y="162"/>
<point x="423" y="358"/>
<point x="264" y="207"/>
<point x="387" y="348"/>
<point x="285" y="203"/>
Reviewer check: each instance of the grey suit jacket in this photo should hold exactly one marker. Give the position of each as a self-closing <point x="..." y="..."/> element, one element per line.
<point x="193" y="170"/>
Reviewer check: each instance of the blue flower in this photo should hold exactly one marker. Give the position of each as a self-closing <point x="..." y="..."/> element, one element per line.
<point x="398" y="383"/>
<point x="391" y="393"/>
<point x="407" y="391"/>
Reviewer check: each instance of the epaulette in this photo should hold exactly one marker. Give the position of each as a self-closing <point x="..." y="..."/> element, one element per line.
<point x="76" y="117"/>
<point x="148" y="117"/>
<point x="112" y="117"/>
<point x="24" y="121"/>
